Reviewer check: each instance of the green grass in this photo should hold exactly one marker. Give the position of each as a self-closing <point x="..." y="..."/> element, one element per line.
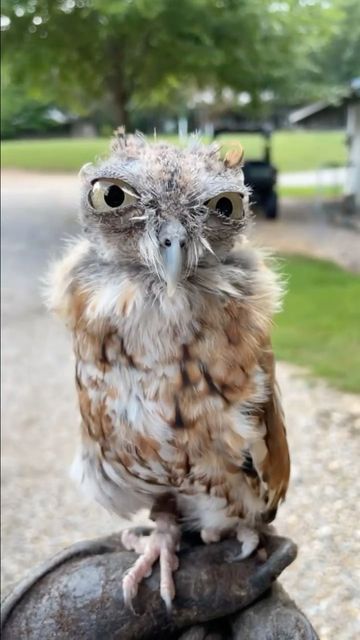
<point x="292" y="151"/>
<point x="320" y="325"/>
<point x="58" y="154"/>
<point x="297" y="150"/>
<point x="309" y="192"/>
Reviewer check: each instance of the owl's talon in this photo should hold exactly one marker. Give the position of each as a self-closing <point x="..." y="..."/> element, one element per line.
<point x="262" y="554"/>
<point x="130" y="590"/>
<point x="249" y="539"/>
<point x="210" y="535"/>
<point x="161" y="545"/>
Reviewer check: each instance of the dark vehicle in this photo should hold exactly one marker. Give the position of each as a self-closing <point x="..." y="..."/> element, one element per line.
<point x="260" y="175"/>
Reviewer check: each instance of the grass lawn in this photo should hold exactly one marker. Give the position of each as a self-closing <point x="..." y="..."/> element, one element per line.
<point x="57" y="154"/>
<point x="310" y="192"/>
<point x="320" y="325"/>
<point x="292" y="151"/>
<point x="297" y="150"/>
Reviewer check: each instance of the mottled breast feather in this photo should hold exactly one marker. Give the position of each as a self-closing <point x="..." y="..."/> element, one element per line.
<point x="177" y="399"/>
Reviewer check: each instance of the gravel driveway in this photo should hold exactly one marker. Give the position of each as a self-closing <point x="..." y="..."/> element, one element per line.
<point x="42" y="511"/>
<point x="303" y="227"/>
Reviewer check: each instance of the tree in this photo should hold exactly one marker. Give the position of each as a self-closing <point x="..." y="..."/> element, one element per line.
<point x="21" y="114"/>
<point x="339" y="61"/>
<point x="147" y="52"/>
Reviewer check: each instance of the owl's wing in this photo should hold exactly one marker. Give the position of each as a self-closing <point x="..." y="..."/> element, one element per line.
<point x="275" y="466"/>
<point x="62" y="292"/>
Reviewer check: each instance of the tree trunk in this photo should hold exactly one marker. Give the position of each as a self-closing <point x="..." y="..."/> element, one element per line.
<point x="120" y="100"/>
<point x="117" y="83"/>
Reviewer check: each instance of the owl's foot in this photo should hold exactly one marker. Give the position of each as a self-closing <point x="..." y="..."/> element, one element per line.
<point x="210" y="535"/>
<point x="162" y="545"/>
<point x="249" y="539"/>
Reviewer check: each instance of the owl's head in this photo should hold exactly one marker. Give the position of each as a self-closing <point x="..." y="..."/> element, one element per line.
<point x="163" y="209"/>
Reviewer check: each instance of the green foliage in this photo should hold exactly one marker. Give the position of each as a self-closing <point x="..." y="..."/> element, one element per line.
<point x="292" y="151"/>
<point x="153" y="52"/>
<point x="339" y="61"/>
<point x="19" y="113"/>
<point x="319" y="327"/>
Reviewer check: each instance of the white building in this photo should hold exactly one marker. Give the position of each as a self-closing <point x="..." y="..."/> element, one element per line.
<point x="344" y="113"/>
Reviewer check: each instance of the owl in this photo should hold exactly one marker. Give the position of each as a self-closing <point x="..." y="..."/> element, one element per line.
<point x="170" y="311"/>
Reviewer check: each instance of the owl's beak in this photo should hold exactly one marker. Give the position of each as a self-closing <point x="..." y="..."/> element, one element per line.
<point x="173" y="262"/>
<point x="173" y="239"/>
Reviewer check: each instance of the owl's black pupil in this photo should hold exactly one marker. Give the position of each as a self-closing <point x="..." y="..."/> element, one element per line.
<point x="114" y="196"/>
<point x="224" y="206"/>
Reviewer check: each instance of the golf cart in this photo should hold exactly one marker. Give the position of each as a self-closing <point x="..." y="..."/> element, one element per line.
<point x="260" y="175"/>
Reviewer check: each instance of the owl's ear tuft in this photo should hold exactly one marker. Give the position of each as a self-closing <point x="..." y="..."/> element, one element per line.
<point x="129" y="145"/>
<point x="85" y="171"/>
<point x="234" y="156"/>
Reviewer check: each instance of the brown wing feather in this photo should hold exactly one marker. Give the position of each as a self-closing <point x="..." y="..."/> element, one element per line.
<point x="276" y="465"/>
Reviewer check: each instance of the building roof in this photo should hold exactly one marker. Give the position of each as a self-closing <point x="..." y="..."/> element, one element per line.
<point x="302" y="114"/>
<point x="353" y="93"/>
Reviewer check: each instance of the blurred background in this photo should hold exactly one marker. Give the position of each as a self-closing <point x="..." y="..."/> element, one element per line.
<point x="282" y="78"/>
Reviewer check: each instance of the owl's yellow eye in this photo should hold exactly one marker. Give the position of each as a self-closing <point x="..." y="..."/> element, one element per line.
<point x="108" y="193"/>
<point x="228" y="204"/>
